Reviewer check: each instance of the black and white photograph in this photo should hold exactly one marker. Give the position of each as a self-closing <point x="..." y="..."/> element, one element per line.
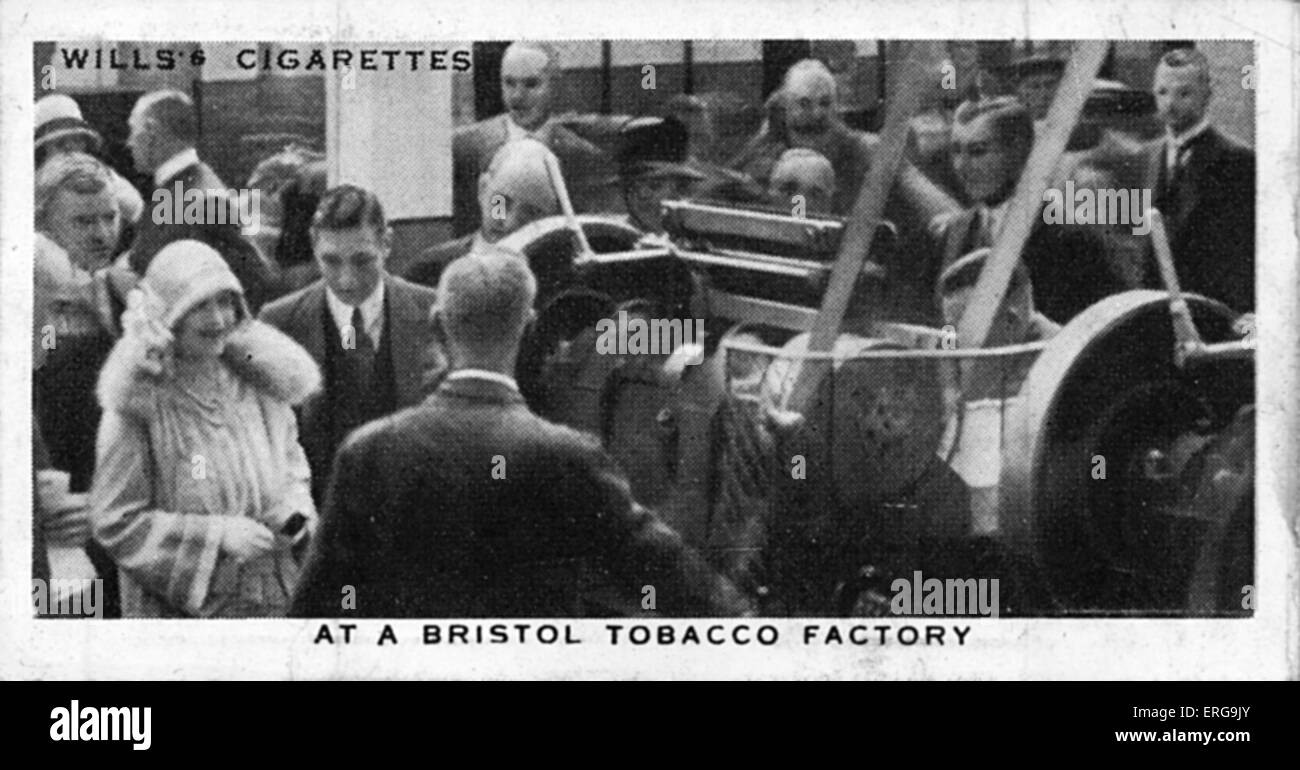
<point x="841" y="336"/>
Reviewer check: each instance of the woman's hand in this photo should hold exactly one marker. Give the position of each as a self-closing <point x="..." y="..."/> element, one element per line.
<point x="245" y="539"/>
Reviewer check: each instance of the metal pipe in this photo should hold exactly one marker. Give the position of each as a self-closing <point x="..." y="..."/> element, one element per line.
<point x="566" y="205"/>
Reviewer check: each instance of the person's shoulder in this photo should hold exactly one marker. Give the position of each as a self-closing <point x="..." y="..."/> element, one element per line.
<point x="427" y="266"/>
<point x="1232" y="147"/>
<point x="473" y="135"/>
<point x="410" y="299"/>
<point x="566" y="141"/>
<point x="204" y="176"/>
<point x="568" y="445"/>
<point x="411" y="291"/>
<point x="277" y="312"/>
<point x="272" y="362"/>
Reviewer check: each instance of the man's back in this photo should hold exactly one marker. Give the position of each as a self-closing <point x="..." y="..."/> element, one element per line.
<point x="469" y="505"/>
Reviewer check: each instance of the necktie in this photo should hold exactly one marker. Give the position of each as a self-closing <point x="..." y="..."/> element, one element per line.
<point x="363" y="350"/>
<point x="984" y="238"/>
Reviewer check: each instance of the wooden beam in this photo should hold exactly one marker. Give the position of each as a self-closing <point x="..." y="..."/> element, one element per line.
<point x="907" y="83"/>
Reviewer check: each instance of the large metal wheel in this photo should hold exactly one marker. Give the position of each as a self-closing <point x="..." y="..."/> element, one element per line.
<point x="1108" y="450"/>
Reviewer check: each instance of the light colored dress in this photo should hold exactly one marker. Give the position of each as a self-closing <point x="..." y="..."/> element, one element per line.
<point x="178" y="456"/>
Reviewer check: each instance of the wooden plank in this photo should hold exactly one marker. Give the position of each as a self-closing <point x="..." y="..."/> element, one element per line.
<point x="904" y="99"/>
<point x="1027" y="202"/>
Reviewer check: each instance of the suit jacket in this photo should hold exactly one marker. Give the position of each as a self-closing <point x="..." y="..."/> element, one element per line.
<point x="1068" y="265"/>
<point x="1211" y="219"/>
<point x="417" y="522"/>
<point x="427" y="267"/>
<point x="417" y="360"/>
<point x="586" y="168"/>
<point x="253" y="272"/>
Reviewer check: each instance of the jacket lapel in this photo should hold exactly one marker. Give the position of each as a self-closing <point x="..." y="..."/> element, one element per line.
<point x="1204" y="155"/>
<point x="305" y="321"/>
<point x="959" y="237"/>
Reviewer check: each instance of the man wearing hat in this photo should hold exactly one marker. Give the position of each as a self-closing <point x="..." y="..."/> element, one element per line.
<point x="652" y="168"/>
<point x="514" y="191"/>
<point x="61" y="129"/>
<point x="1036" y="80"/>
<point x="164" y="135"/>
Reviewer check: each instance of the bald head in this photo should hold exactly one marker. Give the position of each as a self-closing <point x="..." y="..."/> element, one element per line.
<point x="485" y="301"/>
<point x="808" y="94"/>
<point x="807" y="173"/>
<point x="516" y="189"/>
<point x="529" y="72"/>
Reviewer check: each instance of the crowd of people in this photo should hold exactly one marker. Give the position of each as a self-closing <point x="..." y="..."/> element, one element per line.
<point x="242" y="425"/>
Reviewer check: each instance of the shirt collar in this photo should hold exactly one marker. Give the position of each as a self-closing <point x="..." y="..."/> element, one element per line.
<point x="514" y="130"/>
<point x="1180" y="140"/>
<point x="173" y="165"/>
<point x="993" y="215"/>
<point x="483" y="374"/>
<point x="372" y="312"/>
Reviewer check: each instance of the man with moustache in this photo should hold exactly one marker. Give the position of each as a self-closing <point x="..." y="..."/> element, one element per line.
<point x="368" y="330"/>
<point x="1204" y="184"/>
<point x="530" y="84"/>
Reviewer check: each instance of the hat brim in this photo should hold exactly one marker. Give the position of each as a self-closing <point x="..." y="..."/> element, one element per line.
<point x="658" y="170"/>
<point x="84" y="131"/>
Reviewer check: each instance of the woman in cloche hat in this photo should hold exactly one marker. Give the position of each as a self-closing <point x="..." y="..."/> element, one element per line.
<point x="202" y="494"/>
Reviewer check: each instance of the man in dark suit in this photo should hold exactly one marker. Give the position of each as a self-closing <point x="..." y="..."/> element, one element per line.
<point x="371" y="332"/>
<point x="530" y="82"/>
<point x="514" y="190"/>
<point x="164" y="131"/>
<point x="1068" y="266"/>
<point x="1203" y="181"/>
<point x="470" y="505"/>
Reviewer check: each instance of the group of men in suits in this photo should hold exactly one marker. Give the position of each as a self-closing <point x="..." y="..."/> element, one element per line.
<point x="443" y="494"/>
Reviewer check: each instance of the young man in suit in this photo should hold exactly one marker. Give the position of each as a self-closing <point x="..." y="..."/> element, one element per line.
<point x="164" y="132"/>
<point x="369" y="331"/>
<point x="470" y="505"/>
<point x="1068" y="266"/>
<point x="515" y="190"/>
<point x="1203" y="181"/>
<point x="530" y="84"/>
